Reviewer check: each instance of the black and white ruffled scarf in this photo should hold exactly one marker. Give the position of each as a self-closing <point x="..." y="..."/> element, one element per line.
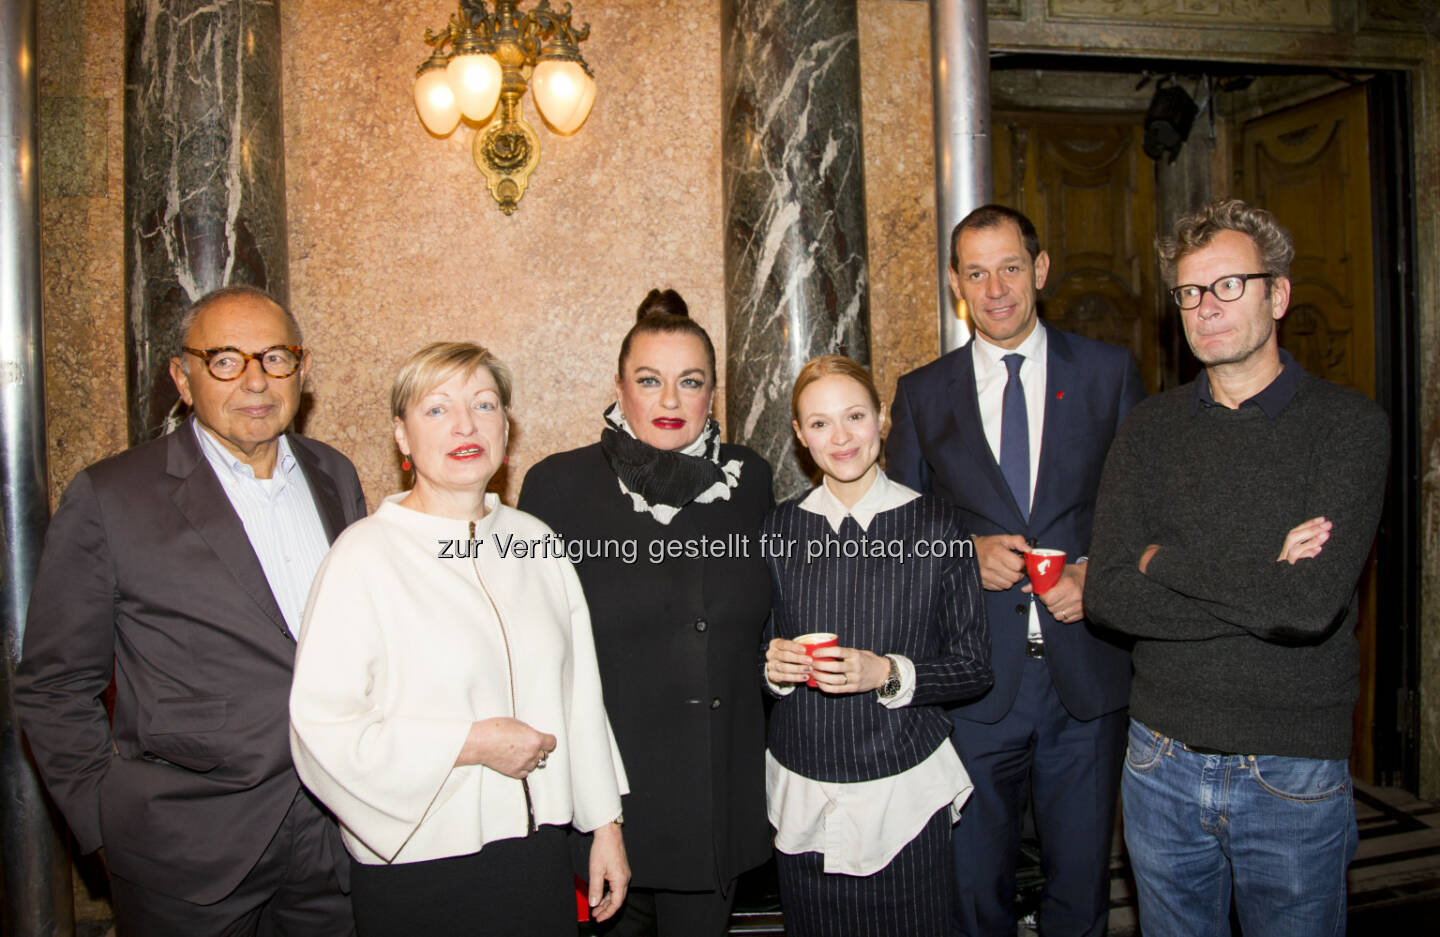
<point x="660" y="482"/>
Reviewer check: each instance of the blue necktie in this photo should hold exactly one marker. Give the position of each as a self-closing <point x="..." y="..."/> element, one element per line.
<point x="1015" y="437"/>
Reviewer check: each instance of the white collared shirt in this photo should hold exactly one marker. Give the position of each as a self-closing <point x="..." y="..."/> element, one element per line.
<point x="882" y="495"/>
<point x="280" y="519"/>
<point x="860" y="826"/>
<point x="991" y="375"/>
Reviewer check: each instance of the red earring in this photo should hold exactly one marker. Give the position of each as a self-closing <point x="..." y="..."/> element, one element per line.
<point x="405" y="464"/>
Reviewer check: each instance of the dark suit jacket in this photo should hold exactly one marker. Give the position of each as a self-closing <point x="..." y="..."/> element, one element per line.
<point x="677" y="645"/>
<point x="147" y="573"/>
<point x="937" y="444"/>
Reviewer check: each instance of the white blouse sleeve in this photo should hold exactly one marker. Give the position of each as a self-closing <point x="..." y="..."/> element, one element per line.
<point x="378" y="772"/>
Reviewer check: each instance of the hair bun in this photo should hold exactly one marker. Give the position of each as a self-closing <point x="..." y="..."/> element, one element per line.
<point x="662" y="302"/>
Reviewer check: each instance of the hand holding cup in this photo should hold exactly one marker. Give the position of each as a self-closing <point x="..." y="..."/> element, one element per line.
<point x="786" y="662"/>
<point x="813" y="642"/>
<point x="1044" y="567"/>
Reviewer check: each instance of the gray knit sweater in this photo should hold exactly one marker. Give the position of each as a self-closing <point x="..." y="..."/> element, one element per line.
<point x="1235" y="651"/>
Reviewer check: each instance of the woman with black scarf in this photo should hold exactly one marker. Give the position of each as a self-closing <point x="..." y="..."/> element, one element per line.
<point x="662" y="520"/>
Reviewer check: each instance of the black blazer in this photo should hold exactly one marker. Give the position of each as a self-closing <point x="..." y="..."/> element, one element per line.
<point x="147" y="573"/>
<point x="676" y="641"/>
<point x="937" y="444"/>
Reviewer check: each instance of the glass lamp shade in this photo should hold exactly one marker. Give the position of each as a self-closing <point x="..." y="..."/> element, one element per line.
<point x="435" y="102"/>
<point x="475" y="79"/>
<point x="563" y="93"/>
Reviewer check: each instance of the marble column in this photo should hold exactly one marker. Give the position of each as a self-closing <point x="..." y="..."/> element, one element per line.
<point x="796" y="271"/>
<point x="34" y="868"/>
<point x="204" y="174"/>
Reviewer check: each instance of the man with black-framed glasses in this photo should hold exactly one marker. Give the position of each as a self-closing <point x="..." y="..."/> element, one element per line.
<point x="1234" y="518"/>
<point x="182" y="567"/>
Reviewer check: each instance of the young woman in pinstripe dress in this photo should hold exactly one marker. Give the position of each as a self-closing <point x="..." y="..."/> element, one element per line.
<point x="862" y="782"/>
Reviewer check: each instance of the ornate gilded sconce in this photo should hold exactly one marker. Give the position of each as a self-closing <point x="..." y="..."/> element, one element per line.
<point x="482" y="58"/>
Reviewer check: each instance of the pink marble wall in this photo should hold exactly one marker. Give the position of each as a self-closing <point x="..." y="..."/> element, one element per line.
<point x="80" y="76"/>
<point x="394" y="241"/>
<point x="899" y="187"/>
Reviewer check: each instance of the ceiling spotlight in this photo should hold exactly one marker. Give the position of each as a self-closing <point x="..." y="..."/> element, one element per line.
<point x="1168" y="120"/>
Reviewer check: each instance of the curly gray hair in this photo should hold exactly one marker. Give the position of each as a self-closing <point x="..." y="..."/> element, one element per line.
<point x="1197" y="229"/>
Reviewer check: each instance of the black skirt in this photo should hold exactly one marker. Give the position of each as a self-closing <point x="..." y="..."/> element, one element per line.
<point x="512" y="888"/>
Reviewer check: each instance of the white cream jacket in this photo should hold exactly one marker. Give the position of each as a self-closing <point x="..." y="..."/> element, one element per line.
<point x="418" y="626"/>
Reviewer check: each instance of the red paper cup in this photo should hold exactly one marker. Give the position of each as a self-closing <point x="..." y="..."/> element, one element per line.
<point x="1044" y="567"/>
<point x="814" y="641"/>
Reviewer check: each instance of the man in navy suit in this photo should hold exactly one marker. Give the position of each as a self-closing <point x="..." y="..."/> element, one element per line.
<point x="1013" y="429"/>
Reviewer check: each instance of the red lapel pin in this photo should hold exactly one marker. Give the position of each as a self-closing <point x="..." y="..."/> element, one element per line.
<point x="1059" y="395"/>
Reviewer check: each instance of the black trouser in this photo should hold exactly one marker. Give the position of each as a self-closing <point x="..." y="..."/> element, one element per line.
<point x="293" y="891"/>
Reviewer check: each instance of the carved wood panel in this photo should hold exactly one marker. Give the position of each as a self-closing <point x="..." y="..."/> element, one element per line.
<point x="1310" y="165"/>
<point x="1219" y="12"/>
<point x="1090" y="190"/>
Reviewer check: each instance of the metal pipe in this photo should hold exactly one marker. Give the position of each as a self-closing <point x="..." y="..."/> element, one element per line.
<point x="964" y="180"/>
<point x="36" y="874"/>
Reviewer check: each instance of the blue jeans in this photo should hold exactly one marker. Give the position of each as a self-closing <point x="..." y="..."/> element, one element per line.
<point x="1278" y="831"/>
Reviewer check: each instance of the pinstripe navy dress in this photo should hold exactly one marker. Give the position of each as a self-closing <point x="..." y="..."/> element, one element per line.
<point x="863" y="793"/>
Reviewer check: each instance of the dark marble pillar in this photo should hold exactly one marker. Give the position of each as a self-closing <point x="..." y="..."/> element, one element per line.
<point x="796" y="272"/>
<point x="204" y="174"/>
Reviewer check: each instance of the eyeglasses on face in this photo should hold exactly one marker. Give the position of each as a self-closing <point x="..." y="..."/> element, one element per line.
<point x="227" y="364"/>
<point x="1227" y="289"/>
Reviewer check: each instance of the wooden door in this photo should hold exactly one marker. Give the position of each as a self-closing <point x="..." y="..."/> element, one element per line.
<point x="1310" y="166"/>
<point x="1090" y="190"/>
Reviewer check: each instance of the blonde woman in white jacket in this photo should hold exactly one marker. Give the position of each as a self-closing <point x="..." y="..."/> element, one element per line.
<point x="446" y="703"/>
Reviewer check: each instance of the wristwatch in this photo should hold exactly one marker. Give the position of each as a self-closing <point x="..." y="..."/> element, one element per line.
<point x="891" y="687"/>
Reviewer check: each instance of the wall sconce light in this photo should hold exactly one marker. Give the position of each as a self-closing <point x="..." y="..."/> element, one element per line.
<point x="482" y="59"/>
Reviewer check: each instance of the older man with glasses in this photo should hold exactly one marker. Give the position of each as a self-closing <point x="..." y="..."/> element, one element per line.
<point x="1234" y="518"/>
<point x="181" y="568"/>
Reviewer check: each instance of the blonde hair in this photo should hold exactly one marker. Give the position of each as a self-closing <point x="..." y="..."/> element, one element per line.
<point x="824" y="366"/>
<point x="1197" y="229"/>
<point x="437" y="363"/>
